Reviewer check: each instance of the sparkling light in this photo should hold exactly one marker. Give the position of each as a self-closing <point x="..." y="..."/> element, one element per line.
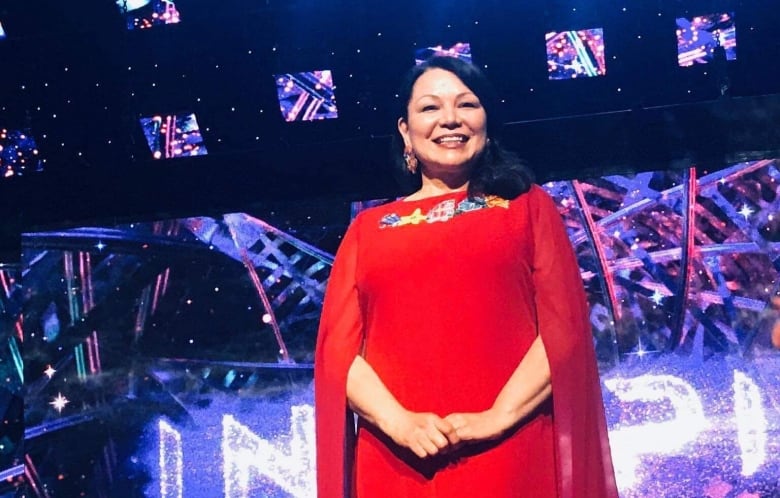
<point x="59" y="402"/>
<point x="171" y="462"/>
<point x="657" y="297"/>
<point x="751" y="423"/>
<point x="640" y="349"/>
<point x="629" y="442"/>
<point x="745" y="211"/>
<point x="49" y="372"/>
<point x="291" y="468"/>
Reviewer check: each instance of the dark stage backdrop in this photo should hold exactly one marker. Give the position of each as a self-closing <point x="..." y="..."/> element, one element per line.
<point x="141" y="107"/>
<point x="174" y="358"/>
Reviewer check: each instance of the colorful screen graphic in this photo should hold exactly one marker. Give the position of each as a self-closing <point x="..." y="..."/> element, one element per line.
<point x="174" y="358"/>
<point x="173" y="135"/>
<point x="307" y="96"/>
<point x="18" y="153"/>
<point x="144" y="14"/>
<point x="12" y="373"/>
<point x="575" y="54"/>
<point x="459" y="50"/>
<point x="698" y="38"/>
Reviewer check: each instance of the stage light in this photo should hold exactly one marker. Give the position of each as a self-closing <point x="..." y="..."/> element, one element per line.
<point x="459" y="50"/>
<point x="575" y="54"/>
<point x="173" y="135"/>
<point x="306" y="96"/>
<point x="699" y="37"/>
<point x="2" y="31"/>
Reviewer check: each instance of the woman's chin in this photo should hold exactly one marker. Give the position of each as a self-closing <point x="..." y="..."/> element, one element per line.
<point x="453" y="166"/>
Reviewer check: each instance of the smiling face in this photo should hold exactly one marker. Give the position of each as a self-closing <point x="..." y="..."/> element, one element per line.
<point x="446" y="125"/>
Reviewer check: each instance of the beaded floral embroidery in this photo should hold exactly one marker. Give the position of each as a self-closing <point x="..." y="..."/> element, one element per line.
<point x="443" y="211"/>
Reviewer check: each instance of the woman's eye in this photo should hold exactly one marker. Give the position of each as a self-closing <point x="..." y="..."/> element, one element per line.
<point x="469" y="104"/>
<point x="429" y="108"/>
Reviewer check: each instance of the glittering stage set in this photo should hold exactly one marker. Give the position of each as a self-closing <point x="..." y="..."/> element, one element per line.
<point x="173" y="358"/>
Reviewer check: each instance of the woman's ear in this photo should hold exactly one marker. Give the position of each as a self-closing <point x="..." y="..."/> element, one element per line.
<point x="403" y="129"/>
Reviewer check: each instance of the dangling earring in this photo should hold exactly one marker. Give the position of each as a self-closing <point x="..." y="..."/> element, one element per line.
<point x="411" y="159"/>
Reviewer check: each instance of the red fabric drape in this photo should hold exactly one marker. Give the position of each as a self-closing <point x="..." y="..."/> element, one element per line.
<point x="508" y="271"/>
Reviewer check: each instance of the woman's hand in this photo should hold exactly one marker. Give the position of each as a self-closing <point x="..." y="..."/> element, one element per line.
<point x="479" y="426"/>
<point x="425" y="434"/>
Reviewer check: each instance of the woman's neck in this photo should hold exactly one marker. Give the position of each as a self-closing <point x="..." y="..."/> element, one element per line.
<point x="435" y="187"/>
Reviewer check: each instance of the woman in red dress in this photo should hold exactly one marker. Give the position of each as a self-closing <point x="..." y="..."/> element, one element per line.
<point x="455" y="325"/>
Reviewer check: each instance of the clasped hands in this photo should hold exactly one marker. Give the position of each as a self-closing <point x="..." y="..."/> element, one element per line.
<point x="427" y="434"/>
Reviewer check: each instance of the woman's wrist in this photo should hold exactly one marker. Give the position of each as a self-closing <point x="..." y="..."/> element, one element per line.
<point x="387" y="420"/>
<point x="505" y="417"/>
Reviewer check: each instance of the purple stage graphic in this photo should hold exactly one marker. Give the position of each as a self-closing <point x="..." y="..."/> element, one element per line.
<point x="459" y="50"/>
<point x="174" y="358"/>
<point x="575" y="54"/>
<point x="145" y="14"/>
<point x="18" y="154"/>
<point x="173" y="135"/>
<point x="307" y="96"/>
<point x="698" y="37"/>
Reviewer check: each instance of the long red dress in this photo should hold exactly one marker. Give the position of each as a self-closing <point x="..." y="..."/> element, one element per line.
<point x="443" y="296"/>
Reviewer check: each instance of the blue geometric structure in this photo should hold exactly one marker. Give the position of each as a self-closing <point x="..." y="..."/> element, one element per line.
<point x="678" y="262"/>
<point x="169" y="349"/>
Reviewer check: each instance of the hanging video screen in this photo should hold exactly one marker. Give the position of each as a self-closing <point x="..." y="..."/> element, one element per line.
<point x="575" y="54"/>
<point x="145" y="14"/>
<point x="699" y="37"/>
<point x="460" y="50"/>
<point x="173" y="135"/>
<point x="307" y="96"/>
<point x="19" y="153"/>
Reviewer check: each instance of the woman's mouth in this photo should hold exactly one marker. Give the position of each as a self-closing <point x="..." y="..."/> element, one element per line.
<point x="451" y="139"/>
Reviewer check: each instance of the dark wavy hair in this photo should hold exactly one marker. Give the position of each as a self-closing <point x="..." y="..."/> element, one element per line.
<point x="498" y="171"/>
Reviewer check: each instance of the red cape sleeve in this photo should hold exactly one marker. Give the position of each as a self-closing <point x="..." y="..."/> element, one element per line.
<point x="584" y="461"/>
<point x="339" y="340"/>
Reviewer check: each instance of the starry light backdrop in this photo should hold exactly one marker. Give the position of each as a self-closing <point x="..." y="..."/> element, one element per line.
<point x="172" y="358"/>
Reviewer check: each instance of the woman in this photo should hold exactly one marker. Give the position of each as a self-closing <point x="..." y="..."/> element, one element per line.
<point x="455" y="325"/>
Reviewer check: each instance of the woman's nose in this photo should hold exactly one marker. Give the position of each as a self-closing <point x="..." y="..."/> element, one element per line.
<point x="449" y="117"/>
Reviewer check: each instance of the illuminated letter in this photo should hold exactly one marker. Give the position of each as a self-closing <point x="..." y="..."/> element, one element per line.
<point x="751" y="423"/>
<point x="171" y="468"/>
<point x="666" y="436"/>
<point x="292" y="469"/>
